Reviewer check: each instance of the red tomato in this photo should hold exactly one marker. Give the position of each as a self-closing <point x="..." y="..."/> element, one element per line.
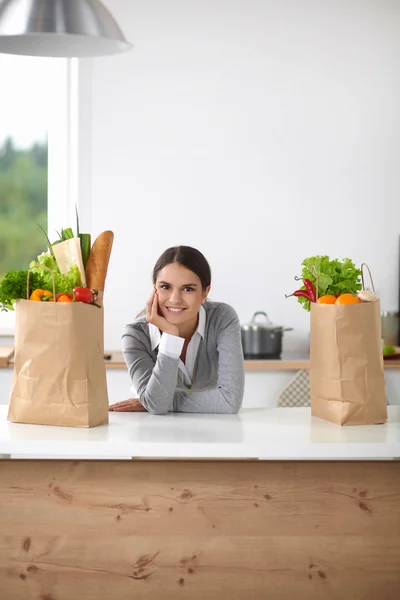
<point x="83" y="295"/>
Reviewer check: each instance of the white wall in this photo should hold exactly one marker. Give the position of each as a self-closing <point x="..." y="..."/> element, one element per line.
<point x="259" y="131"/>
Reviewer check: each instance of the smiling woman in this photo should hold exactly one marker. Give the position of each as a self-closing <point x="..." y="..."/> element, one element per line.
<point x="185" y="353"/>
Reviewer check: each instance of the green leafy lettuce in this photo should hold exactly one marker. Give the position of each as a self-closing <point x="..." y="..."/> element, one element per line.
<point x="334" y="276"/>
<point x="13" y="284"/>
<point x="13" y="287"/>
<point x="63" y="283"/>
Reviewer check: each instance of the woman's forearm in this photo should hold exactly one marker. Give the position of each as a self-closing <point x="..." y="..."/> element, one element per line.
<point x="217" y="401"/>
<point x="155" y="383"/>
<point x="157" y="396"/>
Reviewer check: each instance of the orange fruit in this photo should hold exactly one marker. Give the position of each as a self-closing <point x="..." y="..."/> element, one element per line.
<point x="328" y="299"/>
<point x="348" y="299"/>
<point x="64" y="298"/>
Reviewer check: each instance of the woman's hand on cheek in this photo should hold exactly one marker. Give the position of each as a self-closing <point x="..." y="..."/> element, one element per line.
<point x="153" y="316"/>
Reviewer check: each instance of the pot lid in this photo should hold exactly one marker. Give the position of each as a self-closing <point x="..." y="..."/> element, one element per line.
<point x="265" y="324"/>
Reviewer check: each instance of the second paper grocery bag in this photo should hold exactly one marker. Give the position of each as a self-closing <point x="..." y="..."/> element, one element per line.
<point x="59" y="372"/>
<point x="346" y="365"/>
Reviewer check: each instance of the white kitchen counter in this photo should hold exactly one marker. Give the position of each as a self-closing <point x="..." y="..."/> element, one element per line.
<point x="255" y="433"/>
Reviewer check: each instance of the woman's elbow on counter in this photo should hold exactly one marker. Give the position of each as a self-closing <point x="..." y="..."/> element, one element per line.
<point x="157" y="411"/>
<point x="233" y="410"/>
<point x="233" y="407"/>
<point x="154" y="409"/>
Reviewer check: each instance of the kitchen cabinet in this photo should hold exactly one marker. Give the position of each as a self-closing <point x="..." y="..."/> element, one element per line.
<point x="264" y="379"/>
<point x="288" y="362"/>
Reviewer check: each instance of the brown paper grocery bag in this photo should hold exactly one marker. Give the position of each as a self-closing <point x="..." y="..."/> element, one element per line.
<point x="347" y="381"/>
<point x="59" y="372"/>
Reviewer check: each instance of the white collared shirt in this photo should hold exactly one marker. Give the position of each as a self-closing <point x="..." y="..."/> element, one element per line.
<point x="172" y="345"/>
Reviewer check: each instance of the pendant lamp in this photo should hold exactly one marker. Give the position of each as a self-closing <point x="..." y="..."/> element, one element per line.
<point x="59" y="28"/>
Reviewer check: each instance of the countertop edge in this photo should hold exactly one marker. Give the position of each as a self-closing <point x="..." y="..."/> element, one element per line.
<point x="264" y="434"/>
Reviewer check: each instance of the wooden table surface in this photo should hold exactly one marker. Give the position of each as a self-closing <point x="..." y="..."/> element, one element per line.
<point x="163" y="530"/>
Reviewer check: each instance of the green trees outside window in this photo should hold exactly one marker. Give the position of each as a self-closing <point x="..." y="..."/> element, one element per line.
<point x="23" y="204"/>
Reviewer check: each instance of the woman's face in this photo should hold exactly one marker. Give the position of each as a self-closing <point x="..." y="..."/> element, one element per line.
<point x="180" y="294"/>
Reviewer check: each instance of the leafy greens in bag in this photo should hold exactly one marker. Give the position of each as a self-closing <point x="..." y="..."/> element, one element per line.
<point x="13" y="286"/>
<point x="63" y="283"/>
<point x="334" y="276"/>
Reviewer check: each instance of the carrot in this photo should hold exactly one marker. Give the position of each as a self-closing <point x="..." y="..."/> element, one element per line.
<point x="97" y="264"/>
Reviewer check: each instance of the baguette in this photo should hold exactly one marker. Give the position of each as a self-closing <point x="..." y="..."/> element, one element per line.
<point x="97" y="264"/>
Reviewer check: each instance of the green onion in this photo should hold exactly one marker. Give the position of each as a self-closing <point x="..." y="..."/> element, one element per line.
<point x="77" y="221"/>
<point x="85" y="246"/>
<point x="67" y="234"/>
<point x="48" y="242"/>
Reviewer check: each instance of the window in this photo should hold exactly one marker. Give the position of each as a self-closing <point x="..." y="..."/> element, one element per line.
<point x="38" y="157"/>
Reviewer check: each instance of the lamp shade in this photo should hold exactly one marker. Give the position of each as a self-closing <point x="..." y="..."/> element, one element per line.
<point x="59" y="28"/>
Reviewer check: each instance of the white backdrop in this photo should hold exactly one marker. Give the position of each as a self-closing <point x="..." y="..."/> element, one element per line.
<point x="259" y="131"/>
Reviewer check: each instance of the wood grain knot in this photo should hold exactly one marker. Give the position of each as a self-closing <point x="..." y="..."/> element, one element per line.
<point x="57" y="491"/>
<point x="145" y="560"/>
<point x="181" y="581"/>
<point x="22" y="576"/>
<point x="321" y="574"/>
<point x="363" y="493"/>
<point x="190" y="571"/>
<point x="186" y="496"/>
<point x="47" y="597"/>
<point x="33" y="569"/>
<point x="142" y="577"/>
<point x="170" y="509"/>
<point x="267" y="497"/>
<point x="26" y="544"/>
<point x="188" y="560"/>
<point x="364" y="507"/>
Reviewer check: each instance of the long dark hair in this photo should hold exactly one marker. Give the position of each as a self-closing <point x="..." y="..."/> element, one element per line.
<point x="188" y="257"/>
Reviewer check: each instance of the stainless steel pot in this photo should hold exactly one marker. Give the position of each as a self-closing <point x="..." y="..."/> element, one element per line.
<point x="262" y="340"/>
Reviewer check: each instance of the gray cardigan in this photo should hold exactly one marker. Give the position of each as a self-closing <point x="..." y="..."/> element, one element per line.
<point x="218" y="376"/>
